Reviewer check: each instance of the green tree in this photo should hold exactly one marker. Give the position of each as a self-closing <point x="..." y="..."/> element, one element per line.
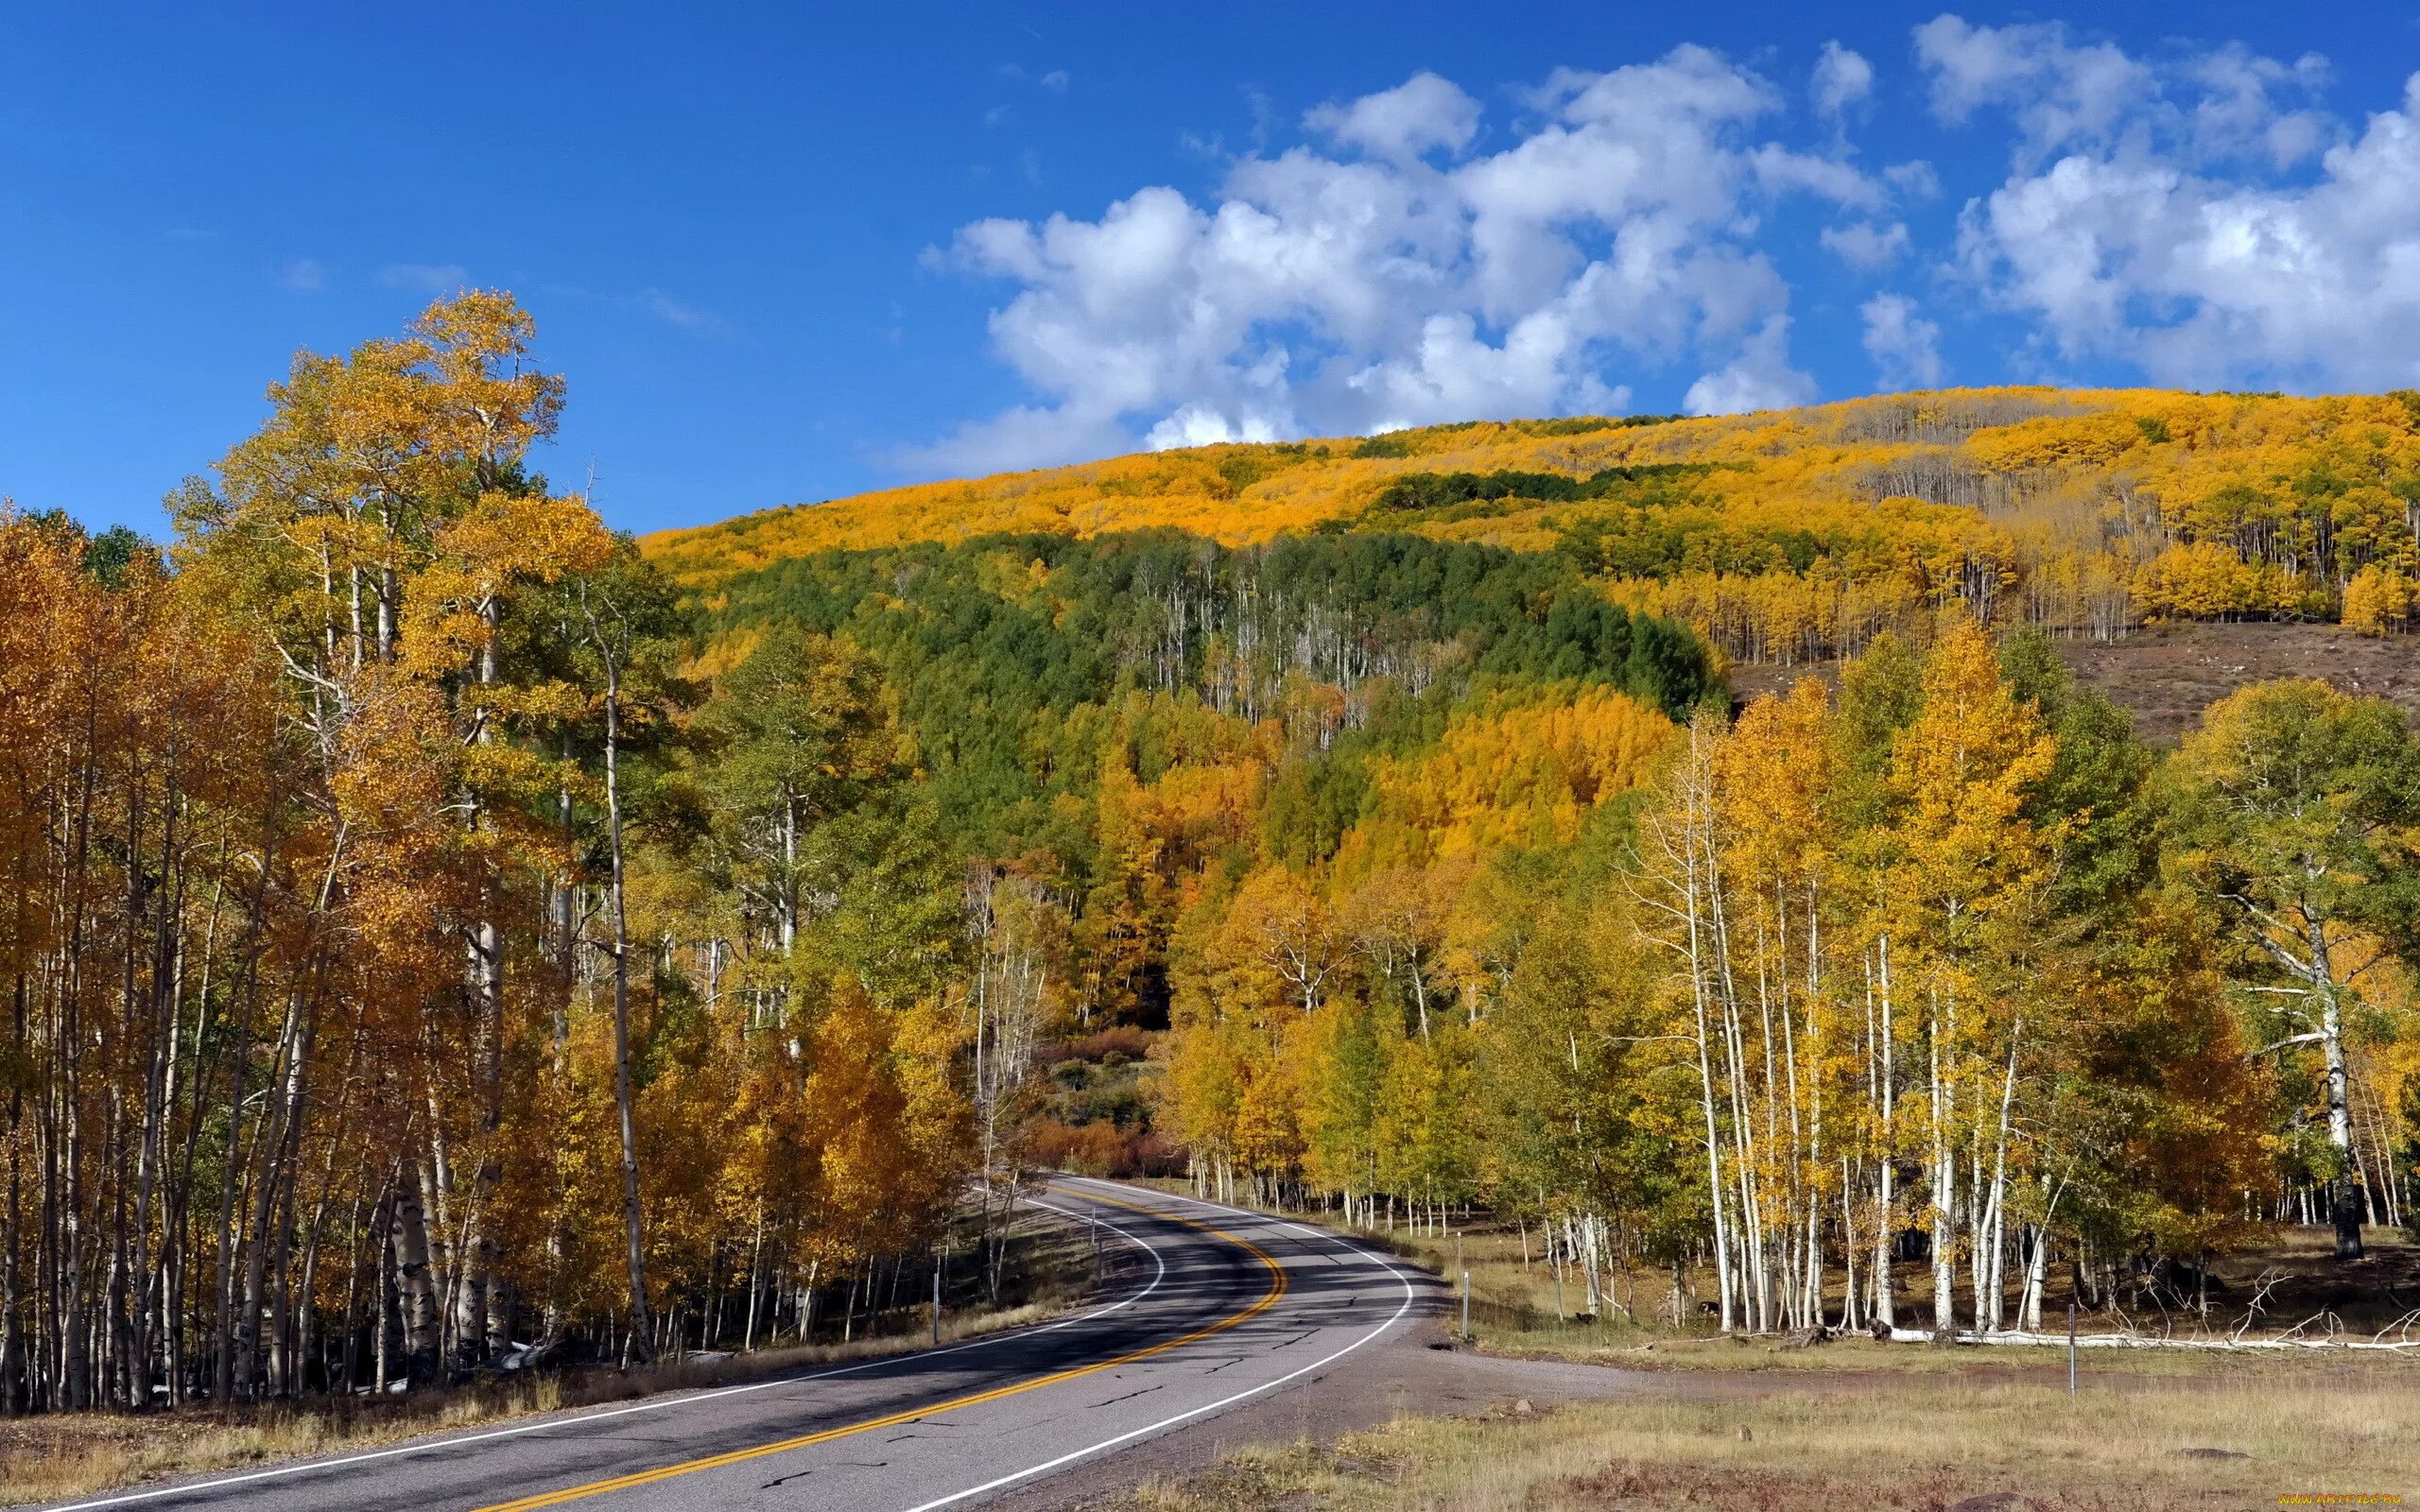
<point x="802" y="734"/>
<point x="2296" y="816"/>
<point x="627" y="616"/>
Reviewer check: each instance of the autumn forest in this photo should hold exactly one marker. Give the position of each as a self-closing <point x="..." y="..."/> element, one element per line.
<point x="443" y="933"/>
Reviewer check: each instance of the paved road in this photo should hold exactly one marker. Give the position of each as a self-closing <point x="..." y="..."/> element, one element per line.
<point x="1227" y="1307"/>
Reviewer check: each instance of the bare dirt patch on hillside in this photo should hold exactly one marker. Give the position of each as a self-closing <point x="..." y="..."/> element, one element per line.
<point x="2168" y="676"/>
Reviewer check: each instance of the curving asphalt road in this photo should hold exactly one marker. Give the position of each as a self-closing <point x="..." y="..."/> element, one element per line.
<point x="1228" y="1307"/>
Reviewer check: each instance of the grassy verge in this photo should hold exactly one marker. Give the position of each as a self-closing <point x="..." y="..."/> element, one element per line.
<point x="1517" y="1310"/>
<point x="1891" y="1444"/>
<point x="59" y="1455"/>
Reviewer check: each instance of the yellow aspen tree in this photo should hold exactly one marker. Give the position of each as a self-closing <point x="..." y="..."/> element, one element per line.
<point x="2301" y="808"/>
<point x="1972" y="868"/>
<point x="1773" y="797"/>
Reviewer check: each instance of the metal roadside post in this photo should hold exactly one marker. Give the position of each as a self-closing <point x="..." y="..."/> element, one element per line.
<point x="936" y="1302"/>
<point x="2071" y="1346"/>
<point x="1466" y="1287"/>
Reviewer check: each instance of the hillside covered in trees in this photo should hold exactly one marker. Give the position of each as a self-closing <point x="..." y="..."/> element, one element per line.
<point x="443" y="934"/>
<point x="1786" y="536"/>
<point x="1377" y="783"/>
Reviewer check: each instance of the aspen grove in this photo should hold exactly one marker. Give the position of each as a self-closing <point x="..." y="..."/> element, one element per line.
<point x="1929" y="968"/>
<point x="445" y="936"/>
<point x="392" y="993"/>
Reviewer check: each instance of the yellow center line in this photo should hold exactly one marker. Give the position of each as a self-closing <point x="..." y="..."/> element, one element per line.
<point x="623" y="1483"/>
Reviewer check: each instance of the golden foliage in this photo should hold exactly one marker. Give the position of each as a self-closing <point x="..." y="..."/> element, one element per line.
<point x="1526" y="775"/>
<point x="2064" y="509"/>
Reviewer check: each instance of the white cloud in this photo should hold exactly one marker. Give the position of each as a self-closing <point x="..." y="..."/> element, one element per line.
<point x="1369" y="285"/>
<point x="1419" y="116"/>
<point x="1760" y="378"/>
<point x="1906" y="350"/>
<point x="2193" y="214"/>
<point x="2164" y="237"/>
<point x="672" y="312"/>
<point x="432" y="278"/>
<point x="1201" y="425"/>
<point x="1841" y="78"/>
<point x="2208" y="282"/>
<point x="1864" y="245"/>
<point x="1025" y="436"/>
<point x="303" y="276"/>
<point x="1912" y="181"/>
<point x="2208" y="105"/>
<point x="1781" y="170"/>
<point x="1056" y="82"/>
<point x="2236" y="114"/>
<point x="2060" y="92"/>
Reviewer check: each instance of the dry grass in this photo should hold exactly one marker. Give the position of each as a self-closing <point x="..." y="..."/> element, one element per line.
<point x="1860" y="1356"/>
<point x="1891" y="1444"/>
<point x="1515" y="1312"/>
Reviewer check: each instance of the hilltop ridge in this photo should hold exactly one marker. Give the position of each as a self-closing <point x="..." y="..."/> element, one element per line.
<point x="1784" y="535"/>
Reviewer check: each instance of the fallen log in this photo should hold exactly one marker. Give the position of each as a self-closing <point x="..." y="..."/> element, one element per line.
<point x="2150" y="1341"/>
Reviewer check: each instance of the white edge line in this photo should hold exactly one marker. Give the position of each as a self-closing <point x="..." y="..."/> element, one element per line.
<point x="676" y="1400"/>
<point x="1046" y="1466"/>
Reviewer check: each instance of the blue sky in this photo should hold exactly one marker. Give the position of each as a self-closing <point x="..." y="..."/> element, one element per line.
<point x="787" y="254"/>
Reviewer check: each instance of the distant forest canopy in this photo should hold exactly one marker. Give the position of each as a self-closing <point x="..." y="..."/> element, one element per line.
<point x="1785" y="536"/>
<point x="442" y="935"/>
<point x="1022" y="663"/>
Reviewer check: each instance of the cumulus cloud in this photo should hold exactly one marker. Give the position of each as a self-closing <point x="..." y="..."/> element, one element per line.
<point x="2163" y="236"/>
<point x="1760" y="378"/>
<point x="1841" y="78"/>
<point x="1392" y="275"/>
<point x="1027" y="436"/>
<point x="2193" y="216"/>
<point x="1912" y="181"/>
<point x="1906" y="350"/>
<point x="2060" y="92"/>
<point x="1419" y="116"/>
<point x="2207" y="282"/>
<point x="1201" y="425"/>
<point x="2236" y="111"/>
<point x="2209" y="105"/>
<point x="1864" y="243"/>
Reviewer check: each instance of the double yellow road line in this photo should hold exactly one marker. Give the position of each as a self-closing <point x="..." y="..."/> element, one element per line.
<point x="736" y="1456"/>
